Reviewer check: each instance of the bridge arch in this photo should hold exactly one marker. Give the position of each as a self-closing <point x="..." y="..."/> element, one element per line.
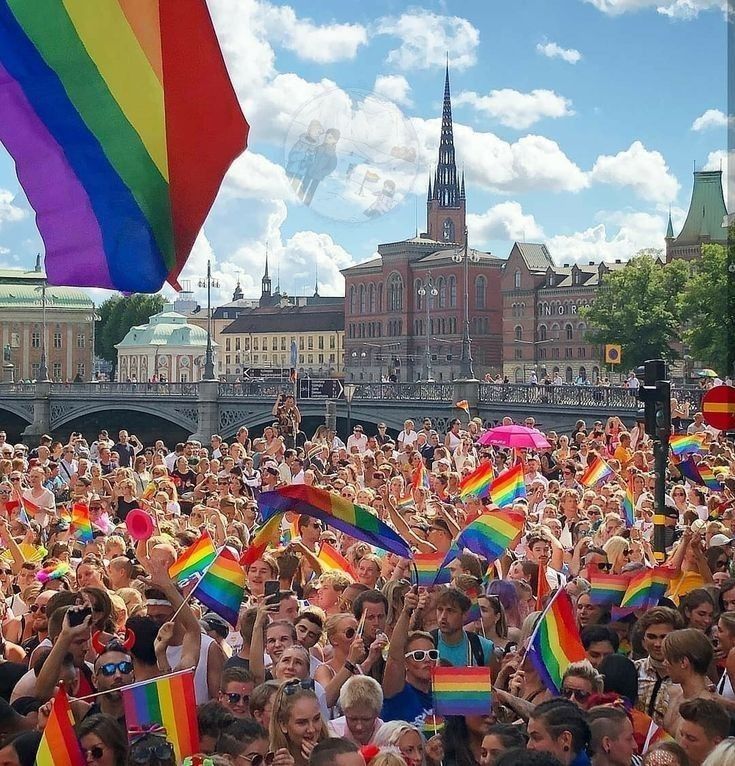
<point x="16" y="409"/>
<point x="184" y="420"/>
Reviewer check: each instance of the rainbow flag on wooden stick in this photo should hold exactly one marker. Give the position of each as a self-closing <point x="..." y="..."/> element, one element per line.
<point x="81" y="526"/>
<point x="461" y="691"/>
<point x="222" y="586"/>
<point x="430" y="569"/>
<point x="169" y="702"/>
<point x="194" y="560"/>
<point x="478" y="482"/>
<point x="598" y="470"/>
<point x="555" y="642"/>
<point x="607" y="589"/>
<point x="489" y="535"/>
<point x="508" y="486"/>
<point x="59" y="745"/>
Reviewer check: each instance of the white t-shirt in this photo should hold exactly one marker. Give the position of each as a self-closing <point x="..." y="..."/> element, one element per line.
<point x="407" y="437"/>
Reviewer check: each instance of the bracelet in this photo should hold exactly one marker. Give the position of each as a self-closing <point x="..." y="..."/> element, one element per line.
<point x="351" y="668"/>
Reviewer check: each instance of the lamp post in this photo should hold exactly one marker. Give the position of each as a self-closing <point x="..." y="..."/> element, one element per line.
<point x="209" y="283"/>
<point x="349" y="391"/>
<point x="465" y="361"/>
<point x="427" y="291"/>
<point x="43" y="367"/>
<point x="362" y="355"/>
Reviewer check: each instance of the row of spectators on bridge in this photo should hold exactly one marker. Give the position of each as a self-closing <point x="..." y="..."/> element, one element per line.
<point x="333" y="663"/>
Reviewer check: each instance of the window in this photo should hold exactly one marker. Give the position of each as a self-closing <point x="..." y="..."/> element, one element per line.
<point x="332" y="341"/>
<point x="310" y="343"/>
<point x="256" y="344"/>
<point x="518" y="375"/>
<point x="480" y="290"/>
<point x="569" y="375"/>
<point x="518" y="332"/>
<point x="352" y="299"/>
<point x="237" y="344"/>
<point x="228" y="358"/>
<point x="81" y="340"/>
<point x="283" y="343"/>
<point x="320" y="344"/>
<point x="568" y="331"/>
<point x="56" y="371"/>
<point x="310" y="358"/>
<point x="81" y="369"/>
<point x="301" y="342"/>
<point x="274" y="344"/>
<point x="361" y="291"/>
<point x="371" y="298"/>
<point x="34" y="371"/>
<point x="442" y="288"/>
<point x="448" y="230"/>
<point x="519" y="353"/>
<point x="517" y="279"/>
<point x="380" y="297"/>
<point x="36" y="339"/>
<point x="395" y="292"/>
<point x="228" y="344"/>
<point x="542" y="353"/>
<point x="452" y="292"/>
<point x="321" y="358"/>
<point x="452" y="325"/>
<point x="542" y="332"/>
<point x="57" y="339"/>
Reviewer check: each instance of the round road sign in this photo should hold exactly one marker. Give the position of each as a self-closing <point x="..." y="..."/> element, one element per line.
<point x="718" y="408"/>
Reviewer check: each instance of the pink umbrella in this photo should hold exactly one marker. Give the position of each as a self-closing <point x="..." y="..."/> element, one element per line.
<point x="514" y="436"/>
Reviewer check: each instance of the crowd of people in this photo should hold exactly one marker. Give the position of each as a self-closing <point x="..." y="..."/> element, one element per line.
<point x="333" y="667"/>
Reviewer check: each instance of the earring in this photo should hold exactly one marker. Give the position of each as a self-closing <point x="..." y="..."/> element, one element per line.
<point x="566" y="748"/>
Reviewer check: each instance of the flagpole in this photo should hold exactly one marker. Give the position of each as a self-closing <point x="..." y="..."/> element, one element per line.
<point x="134" y="685"/>
<point x="538" y="625"/>
<point x="189" y="595"/>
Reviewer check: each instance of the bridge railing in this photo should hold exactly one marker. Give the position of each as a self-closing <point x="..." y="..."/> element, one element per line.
<point x="108" y="388"/>
<point x="265" y="388"/>
<point x="423" y="392"/>
<point x="17" y="388"/>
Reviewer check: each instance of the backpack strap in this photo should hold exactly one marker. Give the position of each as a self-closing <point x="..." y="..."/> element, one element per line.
<point x="478" y="653"/>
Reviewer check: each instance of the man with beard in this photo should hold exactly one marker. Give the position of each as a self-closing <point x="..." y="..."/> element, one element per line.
<point x="39" y="622"/>
<point x="113" y="668"/>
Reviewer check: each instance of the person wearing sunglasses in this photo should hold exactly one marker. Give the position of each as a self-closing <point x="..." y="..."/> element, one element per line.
<point x="102" y="740"/>
<point x="348" y="649"/>
<point x="236" y="686"/>
<point x="151" y="749"/>
<point x="297" y="724"/>
<point x="246" y="742"/>
<point x="113" y="668"/>
<point x="580" y="681"/>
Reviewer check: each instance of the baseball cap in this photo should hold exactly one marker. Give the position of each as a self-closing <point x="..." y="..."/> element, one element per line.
<point x="720" y="539"/>
<point x="216" y="624"/>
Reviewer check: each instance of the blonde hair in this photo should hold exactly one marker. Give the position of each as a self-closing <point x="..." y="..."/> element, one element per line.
<point x="390" y="733"/>
<point x="282" y="706"/>
<point x="583" y="669"/>
<point x="722" y="755"/>
<point x="389" y="757"/>
<point x="333" y="622"/>
<point x="614" y="548"/>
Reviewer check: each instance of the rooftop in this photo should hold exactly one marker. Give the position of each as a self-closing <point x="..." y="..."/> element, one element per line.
<point x="165" y="329"/>
<point x="28" y="296"/>
<point x="288" y="319"/>
<point x="706" y="210"/>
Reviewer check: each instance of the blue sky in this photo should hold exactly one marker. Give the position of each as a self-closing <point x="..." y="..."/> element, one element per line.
<point x="577" y="123"/>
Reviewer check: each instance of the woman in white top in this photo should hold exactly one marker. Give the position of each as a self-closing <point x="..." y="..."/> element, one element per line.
<point x="408" y="435"/>
<point x="725" y="632"/>
<point x="453" y="438"/>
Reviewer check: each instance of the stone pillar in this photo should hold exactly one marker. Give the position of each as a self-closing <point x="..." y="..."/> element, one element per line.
<point x="41" y="415"/>
<point x="8" y="372"/>
<point x="469" y="391"/>
<point x="208" y="411"/>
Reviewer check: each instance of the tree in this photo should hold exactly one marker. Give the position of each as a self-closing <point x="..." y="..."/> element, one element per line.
<point x="117" y="315"/>
<point x="637" y="306"/>
<point x="708" y="308"/>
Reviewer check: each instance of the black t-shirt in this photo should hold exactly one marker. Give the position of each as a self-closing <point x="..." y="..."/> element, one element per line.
<point x="10" y="674"/>
<point x="125" y="506"/>
<point x="236" y="662"/>
<point x="126" y="453"/>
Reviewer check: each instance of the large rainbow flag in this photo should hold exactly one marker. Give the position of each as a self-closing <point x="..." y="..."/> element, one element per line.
<point x="555" y="642"/>
<point x="489" y="535"/>
<point x="629" y="502"/>
<point x="122" y="122"/>
<point x="607" y="589"/>
<point x="478" y="482"/>
<point x="337" y="511"/>
<point x="461" y="691"/>
<point x="222" y="587"/>
<point x="169" y="702"/>
<point x="266" y="535"/>
<point x="59" y="745"/>
<point x="508" y="486"/>
<point x="646" y="587"/>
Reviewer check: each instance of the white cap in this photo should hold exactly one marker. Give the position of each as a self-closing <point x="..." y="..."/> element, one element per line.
<point x="719" y="539"/>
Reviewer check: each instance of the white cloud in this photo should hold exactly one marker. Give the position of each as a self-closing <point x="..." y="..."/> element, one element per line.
<point x="675" y="9"/>
<point x="324" y="44"/>
<point x="518" y="110"/>
<point x="9" y="211"/>
<point x="712" y="118"/>
<point x="725" y="161"/>
<point x="503" y="221"/>
<point x="394" y="87"/>
<point x="634" y="232"/>
<point x="427" y="38"/>
<point x="554" y="51"/>
<point x="254" y="176"/>
<point x="644" y="171"/>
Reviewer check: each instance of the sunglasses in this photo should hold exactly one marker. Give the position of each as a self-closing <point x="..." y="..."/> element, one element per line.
<point x="234" y="698"/>
<point x="256" y="759"/>
<point x="162" y="752"/>
<point x="423" y="654"/>
<point x="578" y="693"/>
<point x="291" y="687"/>
<point x="95" y="753"/>
<point x="350" y="632"/>
<point x="35" y="608"/>
<point x="605" y="566"/>
<point x="6" y="571"/>
<point x="109" y="668"/>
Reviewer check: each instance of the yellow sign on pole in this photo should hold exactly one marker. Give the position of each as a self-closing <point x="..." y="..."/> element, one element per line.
<point x="612" y="353"/>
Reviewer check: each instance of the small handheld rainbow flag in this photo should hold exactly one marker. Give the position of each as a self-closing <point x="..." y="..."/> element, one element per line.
<point x="542" y="588"/>
<point x="682" y="444"/>
<point x="332" y="560"/>
<point x="222" y="586"/>
<point x="508" y="487"/>
<point x="81" y="526"/>
<point x="629" y="502"/>
<point x="555" y="642"/>
<point x="690" y="471"/>
<point x="59" y="745"/>
<point x="266" y="535"/>
<point x="169" y="702"/>
<point x="473" y="613"/>
<point x="463" y="405"/>
<point x="430" y="569"/>
<point x="24" y="504"/>
<point x="420" y="476"/>
<point x="598" y="470"/>
<point x="490" y="534"/>
<point x="646" y="588"/>
<point x="607" y="589"/>
<point x="194" y="560"/>
<point x="478" y="482"/>
<point x="708" y="477"/>
<point x="432" y="724"/>
<point x="461" y="691"/>
<point x="405" y="502"/>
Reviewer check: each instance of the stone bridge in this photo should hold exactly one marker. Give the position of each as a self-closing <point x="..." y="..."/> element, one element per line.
<point x="202" y="409"/>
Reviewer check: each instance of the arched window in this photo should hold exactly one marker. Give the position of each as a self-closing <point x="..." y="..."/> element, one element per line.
<point x="517" y="279"/>
<point x="480" y="289"/>
<point x="362" y="299"/>
<point x="371" y="298"/>
<point x="569" y="331"/>
<point x="448" y="230"/>
<point x="519" y="375"/>
<point x="569" y="375"/>
<point x="518" y="332"/>
<point x="441" y="286"/>
<point x="542" y="332"/>
<point x="417" y="285"/>
<point x="352" y="299"/>
<point x="380" y="298"/>
<point x="395" y="292"/>
<point x="452" y="325"/>
<point x="555" y="331"/>
<point x="452" y="292"/>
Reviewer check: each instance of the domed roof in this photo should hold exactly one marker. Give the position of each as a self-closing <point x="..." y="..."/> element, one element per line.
<point x="165" y="329"/>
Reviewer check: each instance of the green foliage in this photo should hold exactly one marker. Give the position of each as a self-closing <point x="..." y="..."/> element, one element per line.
<point x="708" y="308"/>
<point x="638" y="307"/>
<point x="118" y="314"/>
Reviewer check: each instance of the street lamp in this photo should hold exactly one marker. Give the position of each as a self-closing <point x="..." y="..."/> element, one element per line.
<point x="43" y="367"/>
<point x="427" y="291"/>
<point x="349" y="391"/>
<point x="209" y="283"/>
<point x="362" y="355"/>
<point x="465" y="362"/>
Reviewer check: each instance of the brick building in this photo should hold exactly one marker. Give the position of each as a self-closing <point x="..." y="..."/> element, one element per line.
<point x="386" y="323"/>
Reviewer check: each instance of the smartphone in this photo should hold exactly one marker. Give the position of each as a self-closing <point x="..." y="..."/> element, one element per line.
<point x="78" y="617"/>
<point x="271" y="588"/>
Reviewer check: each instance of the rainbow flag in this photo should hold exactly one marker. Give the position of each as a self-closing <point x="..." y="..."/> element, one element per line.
<point x="478" y="482"/>
<point x="463" y="405"/>
<point x="420" y="476"/>
<point x="194" y="560"/>
<point x="508" y="487"/>
<point x="332" y="560"/>
<point x="461" y="691"/>
<point x="629" y="502"/>
<point x="23" y="504"/>
<point x="607" y="589"/>
<point x="555" y="642"/>
<point x="690" y="470"/>
<point x="266" y="535"/>
<point x="109" y="111"/>
<point x="405" y="502"/>
<point x="646" y="588"/>
<point x="59" y="745"/>
<point x="542" y="588"/>
<point x="81" y="526"/>
<point x="169" y="702"/>
<point x="432" y="724"/>
<point x="337" y="511"/>
<point x="473" y="613"/>
<point x="489" y="535"/>
<point x="598" y="470"/>
<point x="708" y="477"/>
<point x="430" y="569"/>
<point x="222" y="586"/>
<point x="682" y="444"/>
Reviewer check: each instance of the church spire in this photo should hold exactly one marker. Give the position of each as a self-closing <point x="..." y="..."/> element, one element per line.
<point x="670" y="228"/>
<point x="265" y="283"/>
<point x="316" y="280"/>
<point x="446" y="188"/>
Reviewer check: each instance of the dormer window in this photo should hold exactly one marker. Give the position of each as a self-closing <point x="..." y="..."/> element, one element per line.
<point x="550" y="279"/>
